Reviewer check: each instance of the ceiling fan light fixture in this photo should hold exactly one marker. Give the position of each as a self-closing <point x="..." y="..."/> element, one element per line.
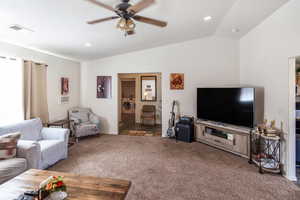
<point x="126" y="25"/>
<point x="121" y="24"/>
<point x="127" y="15"/>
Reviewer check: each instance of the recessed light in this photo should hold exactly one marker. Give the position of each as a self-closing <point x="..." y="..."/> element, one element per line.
<point x="87" y="44"/>
<point x="235" y="30"/>
<point x="207" y="18"/>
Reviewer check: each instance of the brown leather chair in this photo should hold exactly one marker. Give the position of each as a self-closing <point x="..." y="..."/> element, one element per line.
<point x="148" y="113"/>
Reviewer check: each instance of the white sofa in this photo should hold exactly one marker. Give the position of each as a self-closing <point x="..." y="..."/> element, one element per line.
<point x="38" y="148"/>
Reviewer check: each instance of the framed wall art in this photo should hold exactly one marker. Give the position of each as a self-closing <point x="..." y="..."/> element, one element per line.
<point x="104" y="87"/>
<point x="176" y="81"/>
<point x="65" y="86"/>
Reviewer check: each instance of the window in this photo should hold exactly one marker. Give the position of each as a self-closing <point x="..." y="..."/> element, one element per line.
<point x="11" y="91"/>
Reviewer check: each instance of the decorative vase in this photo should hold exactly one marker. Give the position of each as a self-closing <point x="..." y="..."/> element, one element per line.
<point x="58" y="196"/>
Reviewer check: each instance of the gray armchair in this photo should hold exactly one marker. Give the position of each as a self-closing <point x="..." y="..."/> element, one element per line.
<point x="84" y="122"/>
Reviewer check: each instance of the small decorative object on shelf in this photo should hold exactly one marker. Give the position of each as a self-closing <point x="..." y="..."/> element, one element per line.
<point x="53" y="188"/>
<point x="265" y="148"/>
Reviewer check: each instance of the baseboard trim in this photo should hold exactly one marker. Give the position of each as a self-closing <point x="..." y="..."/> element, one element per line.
<point x="109" y="134"/>
<point x="291" y="178"/>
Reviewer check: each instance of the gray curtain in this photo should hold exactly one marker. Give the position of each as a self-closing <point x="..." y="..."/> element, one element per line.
<point x="35" y="91"/>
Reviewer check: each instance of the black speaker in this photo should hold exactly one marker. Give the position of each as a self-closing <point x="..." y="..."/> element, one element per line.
<point x="184" y="132"/>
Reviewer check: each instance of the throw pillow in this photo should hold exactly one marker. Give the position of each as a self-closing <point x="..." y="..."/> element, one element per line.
<point x="8" y="145"/>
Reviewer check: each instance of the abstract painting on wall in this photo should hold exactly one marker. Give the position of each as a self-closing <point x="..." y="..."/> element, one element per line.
<point x="176" y="81"/>
<point x="64" y="86"/>
<point x="104" y="87"/>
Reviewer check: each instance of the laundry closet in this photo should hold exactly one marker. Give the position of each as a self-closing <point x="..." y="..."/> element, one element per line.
<point x="139" y="102"/>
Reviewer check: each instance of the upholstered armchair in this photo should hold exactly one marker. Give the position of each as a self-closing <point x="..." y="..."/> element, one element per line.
<point x="83" y="122"/>
<point x="39" y="147"/>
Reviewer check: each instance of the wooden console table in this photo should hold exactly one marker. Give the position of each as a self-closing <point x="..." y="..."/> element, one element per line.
<point x="64" y="123"/>
<point x="78" y="187"/>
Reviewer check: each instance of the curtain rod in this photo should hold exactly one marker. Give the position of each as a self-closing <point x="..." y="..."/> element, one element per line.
<point x="37" y="63"/>
<point x="4" y="57"/>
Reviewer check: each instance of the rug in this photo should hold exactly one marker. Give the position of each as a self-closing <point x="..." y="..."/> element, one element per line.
<point x="161" y="169"/>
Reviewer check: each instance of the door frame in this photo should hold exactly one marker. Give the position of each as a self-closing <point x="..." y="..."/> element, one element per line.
<point x="291" y="136"/>
<point x="119" y="97"/>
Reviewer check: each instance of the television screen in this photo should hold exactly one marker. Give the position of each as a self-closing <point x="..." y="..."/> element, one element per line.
<point x="227" y="105"/>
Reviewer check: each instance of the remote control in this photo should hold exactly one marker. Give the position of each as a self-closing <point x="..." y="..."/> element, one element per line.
<point x="31" y="193"/>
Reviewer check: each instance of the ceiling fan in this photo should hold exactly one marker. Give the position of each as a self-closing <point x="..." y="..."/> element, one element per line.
<point x="127" y="14"/>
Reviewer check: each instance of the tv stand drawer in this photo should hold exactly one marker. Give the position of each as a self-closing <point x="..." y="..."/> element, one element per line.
<point x="219" y="141"/>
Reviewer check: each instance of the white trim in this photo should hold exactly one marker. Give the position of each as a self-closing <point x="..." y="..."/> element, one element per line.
<point x="291" y="136"/>
<point x="42" y="51"/>
<point x="291" y="178"/>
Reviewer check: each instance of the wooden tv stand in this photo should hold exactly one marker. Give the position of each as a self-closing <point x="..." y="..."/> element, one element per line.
<point x="230" y="138"/>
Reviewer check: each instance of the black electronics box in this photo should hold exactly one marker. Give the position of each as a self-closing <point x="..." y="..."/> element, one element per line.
<point x="184" y="129"/>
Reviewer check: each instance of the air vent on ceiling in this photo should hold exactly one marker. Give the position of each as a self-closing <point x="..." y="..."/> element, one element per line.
<point x="16" y="27"/>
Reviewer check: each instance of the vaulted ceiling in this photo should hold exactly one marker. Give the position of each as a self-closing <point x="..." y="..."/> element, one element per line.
<point x="59" y="26"/>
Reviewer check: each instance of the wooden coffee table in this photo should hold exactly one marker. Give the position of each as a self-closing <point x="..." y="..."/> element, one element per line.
<point x="78" y="187"/>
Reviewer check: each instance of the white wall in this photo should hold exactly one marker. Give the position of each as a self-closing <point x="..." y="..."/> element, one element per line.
<point x="57" y="68"/>
<point x="208" y="61"/>
<point x="264" y="54"/>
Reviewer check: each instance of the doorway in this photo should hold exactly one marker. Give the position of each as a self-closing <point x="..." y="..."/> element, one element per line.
<point x="139" y="102"/>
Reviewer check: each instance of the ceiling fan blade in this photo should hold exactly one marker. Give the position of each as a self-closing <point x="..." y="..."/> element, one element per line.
<point x="150" y="21"/>
<point x="102" y="20"/>
<point x="102" y="5"/>
<point x="140" y="6"/>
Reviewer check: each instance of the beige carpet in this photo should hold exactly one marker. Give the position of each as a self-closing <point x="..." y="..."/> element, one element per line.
<point x="161" y="169"/>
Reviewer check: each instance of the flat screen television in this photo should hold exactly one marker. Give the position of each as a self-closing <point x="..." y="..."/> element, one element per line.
<point x="234" y="106"/>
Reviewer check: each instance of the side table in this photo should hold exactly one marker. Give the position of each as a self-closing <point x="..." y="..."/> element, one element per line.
<point x="64" y="123"/>
<point x="265" y="152"/>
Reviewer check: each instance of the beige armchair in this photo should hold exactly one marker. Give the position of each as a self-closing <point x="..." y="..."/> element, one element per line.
<point x="83" y="122"/>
